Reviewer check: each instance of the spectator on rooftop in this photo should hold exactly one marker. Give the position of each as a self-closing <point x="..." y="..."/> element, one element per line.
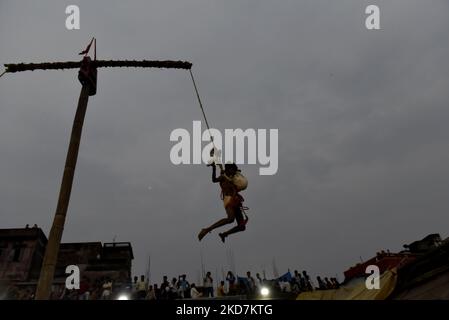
<point x="157" y="292"/>
<point x="208" y="285"/>
<point x="297" y="276"/>
<point x="221" y="289"/>
<point x="230" y="278"/>
<point x="151" y="294"/>
<point x="84" y="290"/>
<point x="141" y="288"/>
<point x="173" y="289"/>
<point x="335" y="283"/>
<point x="107" y="290"/>
<point x="134" y="287"/>
<point x="308" y="283"/>
<point x="251" y="282"/>
<point x="295" y="287"/>
<point x="321" y="283"/>
<point x="194" y="293"/>
<point x="183" y="285"/>
<point x="259" y="281"/>
<point x="329" y="284"/>
<point x="165" y="288"/>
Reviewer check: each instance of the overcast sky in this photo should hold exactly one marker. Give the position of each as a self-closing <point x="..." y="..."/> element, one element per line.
<point x="362" y="118"/>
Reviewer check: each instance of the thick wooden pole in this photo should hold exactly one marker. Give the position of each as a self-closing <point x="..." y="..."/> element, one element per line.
<point x="54" y="240"/>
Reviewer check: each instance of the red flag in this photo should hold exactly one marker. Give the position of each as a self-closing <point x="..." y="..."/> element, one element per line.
<point x="88" y="48"/>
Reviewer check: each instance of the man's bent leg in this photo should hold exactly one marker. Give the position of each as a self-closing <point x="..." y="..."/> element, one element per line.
<point x="230" y="219"/>
<point x="236" y="229"/>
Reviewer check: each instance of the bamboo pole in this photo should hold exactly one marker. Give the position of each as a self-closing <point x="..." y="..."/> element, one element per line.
<point x="54" y="240"/>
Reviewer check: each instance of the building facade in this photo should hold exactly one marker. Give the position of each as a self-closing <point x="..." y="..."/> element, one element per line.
<point x="22" y="251"/>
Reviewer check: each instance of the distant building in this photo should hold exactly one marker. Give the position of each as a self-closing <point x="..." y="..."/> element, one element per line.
<point x="421" y="272"/>
<point x="387" y="260"/>
<point x="22" y="252"/>
<point x="383" y="260"/>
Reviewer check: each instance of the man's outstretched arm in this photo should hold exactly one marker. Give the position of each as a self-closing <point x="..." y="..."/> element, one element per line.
<point x="214" y="174"/>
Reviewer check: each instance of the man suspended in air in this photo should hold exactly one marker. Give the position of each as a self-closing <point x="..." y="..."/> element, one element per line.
<point x="231" y="183"/>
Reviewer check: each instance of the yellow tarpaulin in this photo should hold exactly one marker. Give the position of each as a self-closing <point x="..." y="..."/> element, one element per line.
<point x="356" y="292"/>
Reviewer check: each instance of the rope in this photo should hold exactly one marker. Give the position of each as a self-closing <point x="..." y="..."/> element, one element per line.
<point x="1" y="75"/>
<point x="202" y="109"/>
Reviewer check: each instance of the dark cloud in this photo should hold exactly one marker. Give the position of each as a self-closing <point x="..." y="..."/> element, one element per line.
<point x="361" y="117"/>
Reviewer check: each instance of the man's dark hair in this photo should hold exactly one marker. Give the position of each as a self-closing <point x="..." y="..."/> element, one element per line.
<point x="231" y="166"/>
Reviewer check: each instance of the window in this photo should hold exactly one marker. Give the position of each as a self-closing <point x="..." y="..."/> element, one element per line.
<point x="16" y="256"/>
<point x="3" y="247"/>
<point x="17" y="251"/>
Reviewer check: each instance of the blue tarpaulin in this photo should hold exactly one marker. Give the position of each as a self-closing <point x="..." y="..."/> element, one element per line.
<point x="287" y="277"/>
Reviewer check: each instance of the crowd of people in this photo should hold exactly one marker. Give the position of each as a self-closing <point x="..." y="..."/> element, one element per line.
<point x="181" y="288"/>
<point x="231" y="285"/>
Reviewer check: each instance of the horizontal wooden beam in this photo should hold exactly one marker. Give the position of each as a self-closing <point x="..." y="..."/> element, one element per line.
<point x="166" y="64"/>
